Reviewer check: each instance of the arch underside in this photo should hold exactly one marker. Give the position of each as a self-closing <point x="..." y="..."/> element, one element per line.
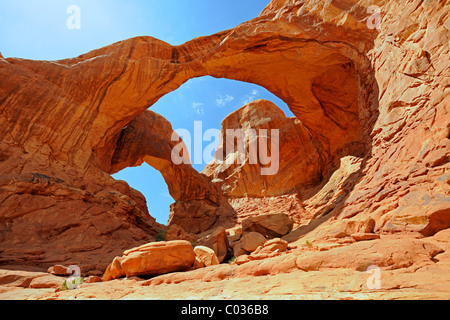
<point x="320" y="85"/>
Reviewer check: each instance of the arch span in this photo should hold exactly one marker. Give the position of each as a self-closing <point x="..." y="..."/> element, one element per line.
<point x="100" y="92"/>
<point x="320" y="84"/>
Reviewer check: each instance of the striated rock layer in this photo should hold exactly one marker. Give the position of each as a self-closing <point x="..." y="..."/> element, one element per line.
<point x="372" y="130"/>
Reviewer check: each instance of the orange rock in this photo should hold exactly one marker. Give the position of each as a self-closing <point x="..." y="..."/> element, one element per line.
<point x="255" y="120"/>
<point x="273" y="245"/>
<point x="392" y="253"/>
<point x="92" y="279"/>
<point x="137" y="145"/>
<point x="271" y="225"/>
<point x="217" y="240"/>
<point x="267" y="266"/>
<point x="210" y="274"/>
<point x="158" y="258"/>
<point x="251" y="241"/>
<point x="47" y="282"/>
<point x="238" y="251"/>
<point x="71" y="237"/>
<point x="23" y="279"/>
<point x="367" y="152"/>
<point x="114" y="270"/>
<point x="206" y="255"/>
<point x="194" y="216"/>
<point x="365" y="236"/>
<point x="175" y="232"/>
<point x="71" y="158"/>
<point x="198" y="264"/>
<point x="58" y="270"/>
<point x="234" y="234"/>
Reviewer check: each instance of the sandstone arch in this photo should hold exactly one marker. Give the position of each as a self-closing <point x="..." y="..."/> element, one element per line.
<point x="97" y="94"/>
<point x="64" y="119"/>
<point x="61" y="122"/>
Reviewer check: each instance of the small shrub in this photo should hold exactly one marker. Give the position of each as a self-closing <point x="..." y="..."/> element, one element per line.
<point x="64" y="286"/>
<point x="161" y="235"/>
<point x="231" y="260"/>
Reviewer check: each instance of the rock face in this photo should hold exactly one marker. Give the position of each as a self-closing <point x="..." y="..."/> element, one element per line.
<point x="370" y="95"/>
<point x="46" y="220"/>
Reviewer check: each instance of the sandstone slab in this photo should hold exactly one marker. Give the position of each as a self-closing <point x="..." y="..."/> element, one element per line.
<point x="158" y="258"/>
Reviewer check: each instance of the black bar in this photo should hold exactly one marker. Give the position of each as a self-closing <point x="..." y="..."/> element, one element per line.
<point x="219" y="309"/>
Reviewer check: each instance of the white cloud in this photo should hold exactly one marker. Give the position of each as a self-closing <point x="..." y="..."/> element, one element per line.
<point x="199" y="108"/>
<point x="250" y="97"/>
<point x="222" y="102"/>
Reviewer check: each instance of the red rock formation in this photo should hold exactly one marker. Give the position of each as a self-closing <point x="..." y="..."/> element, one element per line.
<point x="289" y="152"/>
<point x="45" y="220"/>
<point x="371" y="107"/>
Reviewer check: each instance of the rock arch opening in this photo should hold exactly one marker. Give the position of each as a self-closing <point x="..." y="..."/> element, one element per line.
<point x="204" y="101"/>
<point x="328" y="86"/>
<point x="151" y="184"/>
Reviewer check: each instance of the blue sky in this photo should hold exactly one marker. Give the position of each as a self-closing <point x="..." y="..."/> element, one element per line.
<point x="37" y="30"/>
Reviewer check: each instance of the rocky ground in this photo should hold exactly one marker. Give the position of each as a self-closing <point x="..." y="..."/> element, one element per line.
<point x="393" y="267"/>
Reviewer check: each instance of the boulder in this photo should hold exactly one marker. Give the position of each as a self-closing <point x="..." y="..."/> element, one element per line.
<point x="114" y="270"/>
<point x="218" y="241"/>
<point x="270" y="246"/>
<point x="158" y="258"/>
<point x="251" y="241"/>
<point x="237" y="250"/>
<point x="269" y="225"/>
<point x="206" y="255"/>
<point x="58" y="270"/>
<point x="48" y="281"/>
<point x="234" y="234"/>
<point x="248" y="243"/>
<point x="198" y="264"/>
<point x="92" y="279"/>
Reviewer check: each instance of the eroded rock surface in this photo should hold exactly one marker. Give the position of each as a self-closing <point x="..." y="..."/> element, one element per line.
<point x="372" y="118"/>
